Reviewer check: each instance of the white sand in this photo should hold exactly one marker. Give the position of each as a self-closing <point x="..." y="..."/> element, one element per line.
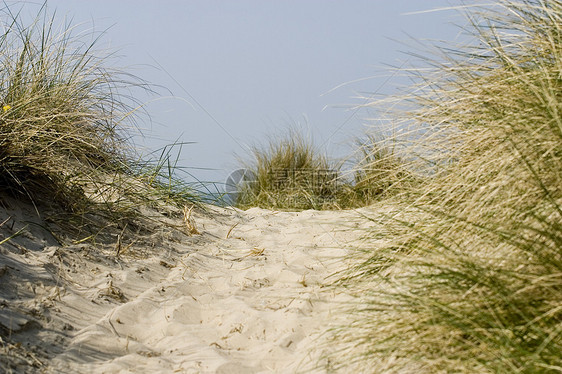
<point x="245" y="296"/>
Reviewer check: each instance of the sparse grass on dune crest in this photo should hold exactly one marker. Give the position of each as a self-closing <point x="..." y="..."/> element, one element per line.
<point x="289" y="173"/>
<point x="65" y="128"/>
<point x="470" y="277"/>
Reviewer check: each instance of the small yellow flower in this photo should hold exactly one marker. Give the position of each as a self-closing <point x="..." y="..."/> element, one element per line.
<point x="6" y="107"/>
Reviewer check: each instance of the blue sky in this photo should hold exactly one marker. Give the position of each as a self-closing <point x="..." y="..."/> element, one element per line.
<point x="238" y="71"/>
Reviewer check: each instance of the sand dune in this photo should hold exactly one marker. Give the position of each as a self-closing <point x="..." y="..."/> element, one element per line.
<point x="247" y="295"/>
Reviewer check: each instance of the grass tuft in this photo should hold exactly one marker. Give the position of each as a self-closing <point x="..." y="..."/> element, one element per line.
<point x="379" y="172"/>
<point x="289" y="174"/>
<point x="64" y="129"/>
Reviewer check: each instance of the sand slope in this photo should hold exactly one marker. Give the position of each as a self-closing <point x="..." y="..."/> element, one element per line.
<point x="245" y="296"/>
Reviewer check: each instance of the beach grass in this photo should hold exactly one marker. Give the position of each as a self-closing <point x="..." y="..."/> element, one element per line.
<point x="66" y="124"/>
<point x="379" y="170"/>
<point x="468" y="277"/>
<point x="289" y="173"/>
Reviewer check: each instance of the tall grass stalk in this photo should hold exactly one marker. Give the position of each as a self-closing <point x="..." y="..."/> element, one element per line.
<point x="470" y="279"/>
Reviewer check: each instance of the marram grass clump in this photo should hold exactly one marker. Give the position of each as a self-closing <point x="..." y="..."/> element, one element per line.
<point x="65" y="127"/>
<point x="290" y="173"/>
<point x="470" y="276"/>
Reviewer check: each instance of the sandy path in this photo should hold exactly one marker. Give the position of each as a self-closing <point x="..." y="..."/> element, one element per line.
<point x="246" y="296"/>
